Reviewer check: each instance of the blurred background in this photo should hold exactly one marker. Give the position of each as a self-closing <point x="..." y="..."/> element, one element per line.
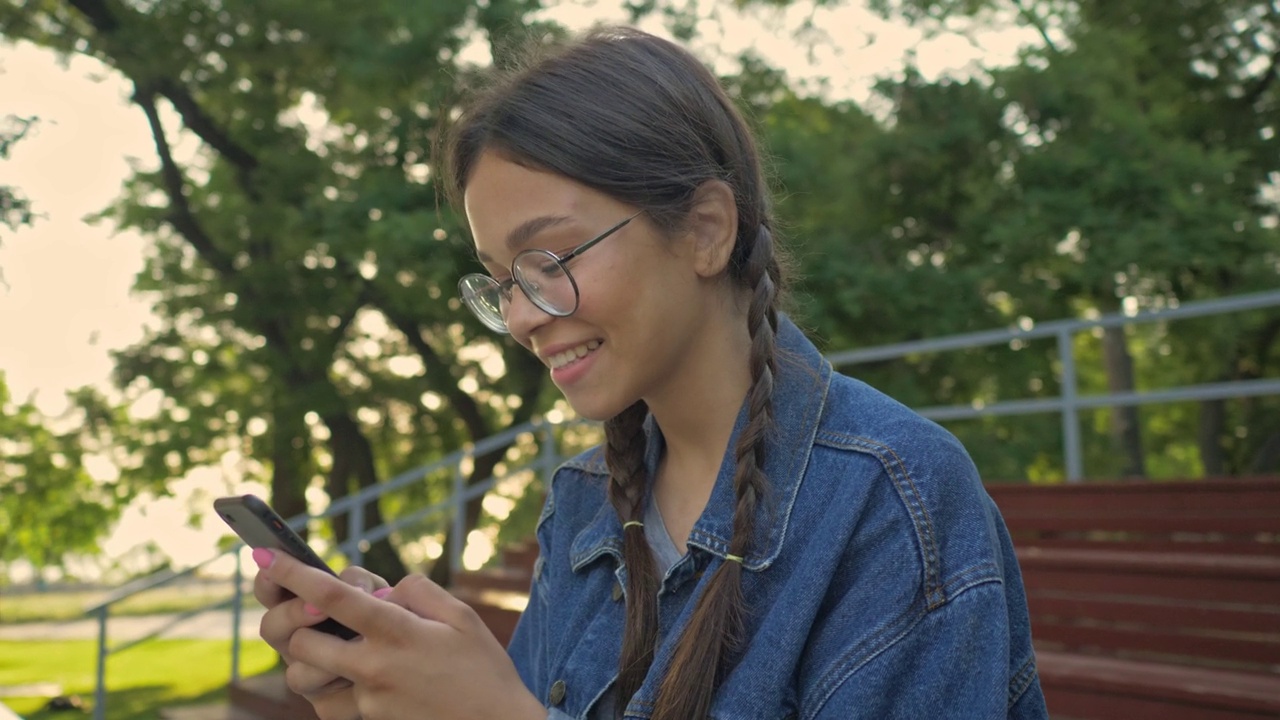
<point x="226" y="266"/>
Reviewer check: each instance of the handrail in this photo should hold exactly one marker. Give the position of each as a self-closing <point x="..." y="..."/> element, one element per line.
<point x="1069" y="402"/>
<point x="548" y="457"/>
<point x="1052" y="328"/>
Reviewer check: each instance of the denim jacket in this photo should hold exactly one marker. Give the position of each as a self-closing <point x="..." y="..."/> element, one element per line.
<point x="881" y="581"/>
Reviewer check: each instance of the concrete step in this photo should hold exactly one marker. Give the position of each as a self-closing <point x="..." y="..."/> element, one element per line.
<point x="208" y="711"/>
<point x="504" y="579"/>
<point x="267" y="697"/>
<point x="499" y="610"/>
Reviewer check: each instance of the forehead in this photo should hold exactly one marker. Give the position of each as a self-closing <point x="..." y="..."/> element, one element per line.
<point x="502" y="195"/>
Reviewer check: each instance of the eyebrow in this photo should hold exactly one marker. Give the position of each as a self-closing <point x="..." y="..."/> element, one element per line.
<point x="525" y="231"/>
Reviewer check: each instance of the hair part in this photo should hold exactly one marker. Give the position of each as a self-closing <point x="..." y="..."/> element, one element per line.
<point x="641" y="120"/>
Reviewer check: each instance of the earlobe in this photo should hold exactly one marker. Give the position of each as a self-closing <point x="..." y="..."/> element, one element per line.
<point x="714" y="226"/>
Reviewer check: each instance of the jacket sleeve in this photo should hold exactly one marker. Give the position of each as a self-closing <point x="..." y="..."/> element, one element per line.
<point x="528" y="647"/>
<point x="953" y="662"/>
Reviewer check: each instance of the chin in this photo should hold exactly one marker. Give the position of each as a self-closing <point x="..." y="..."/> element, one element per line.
<point x="596" y="409"/>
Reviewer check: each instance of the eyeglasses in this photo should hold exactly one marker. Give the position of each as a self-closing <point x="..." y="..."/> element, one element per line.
<point x="543" y="277"/>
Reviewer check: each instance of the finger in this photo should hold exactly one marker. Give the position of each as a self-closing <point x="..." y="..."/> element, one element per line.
<point x="280" y="623"/>
<point x="424" y="598"/>
<point x="310" y="681"/>
<point x="363" y="579"/>
<point x="268" y="592"/>
<point x="325" y="593"/>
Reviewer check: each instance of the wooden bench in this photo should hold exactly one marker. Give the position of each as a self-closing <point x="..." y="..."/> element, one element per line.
<point x="1152" y="599"/>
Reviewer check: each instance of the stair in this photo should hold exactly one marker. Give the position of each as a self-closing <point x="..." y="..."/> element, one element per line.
<point x="209" y="711"/>
<point x="498" y="594"/>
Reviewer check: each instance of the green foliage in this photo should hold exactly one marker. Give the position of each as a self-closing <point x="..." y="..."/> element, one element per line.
<point x="303" y="263"/>
<point x="1124" y="163"/>
<point x="15" y="209"/>
<point x="49" y="505"/>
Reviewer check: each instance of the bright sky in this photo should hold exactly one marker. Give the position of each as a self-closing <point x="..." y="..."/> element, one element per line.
<point x="65" y="300"/>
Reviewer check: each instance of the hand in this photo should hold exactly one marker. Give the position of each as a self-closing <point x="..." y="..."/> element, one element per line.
<point x="286" y="613"/>
<point x="422" y="652"/>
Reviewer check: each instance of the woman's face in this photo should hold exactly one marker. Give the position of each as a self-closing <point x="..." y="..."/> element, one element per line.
<point x="640" y="296"/>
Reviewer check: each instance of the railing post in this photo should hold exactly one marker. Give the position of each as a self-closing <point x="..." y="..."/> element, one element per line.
<point x="237" y="605"/>
<point x="1070" y="415"/>
<point x="100" y="689"/>
<point x="355" y="531"/>
<point x="459" y="520"/>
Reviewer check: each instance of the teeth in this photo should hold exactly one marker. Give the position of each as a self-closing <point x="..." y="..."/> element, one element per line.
<point x="559" y="360"/>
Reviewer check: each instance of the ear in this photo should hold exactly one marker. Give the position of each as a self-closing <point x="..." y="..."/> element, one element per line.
<point x="713" y="227"/>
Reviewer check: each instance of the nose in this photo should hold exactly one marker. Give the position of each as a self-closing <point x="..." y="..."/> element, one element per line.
<point x="523" y="317"/>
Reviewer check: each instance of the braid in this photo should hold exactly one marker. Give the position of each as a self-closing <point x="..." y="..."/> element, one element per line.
<point x="628" y="484"/>
<point x="707" y="647"/>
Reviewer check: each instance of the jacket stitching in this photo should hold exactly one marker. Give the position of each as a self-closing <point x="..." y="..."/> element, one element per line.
<point x="1022" y="680"/>
<point x="896" y="469"/>
<point x="845" y="670"/>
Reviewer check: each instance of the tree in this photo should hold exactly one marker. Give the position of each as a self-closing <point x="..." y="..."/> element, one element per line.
<point x="49" y="505"/>
<point x="302" y="260"/>
<point x="1141" y="174"/>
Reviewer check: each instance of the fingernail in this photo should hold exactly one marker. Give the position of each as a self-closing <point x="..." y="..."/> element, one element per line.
<point x="310" y="609"/>
<point x="381" y="592"/>
<point x="263" y="557"/>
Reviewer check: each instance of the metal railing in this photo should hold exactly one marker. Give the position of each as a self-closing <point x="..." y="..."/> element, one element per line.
<point x="549" y="454"/>
<point x="1069" y="404"/>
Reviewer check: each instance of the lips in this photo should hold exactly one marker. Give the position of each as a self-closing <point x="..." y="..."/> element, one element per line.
<point x="569" y="355"/>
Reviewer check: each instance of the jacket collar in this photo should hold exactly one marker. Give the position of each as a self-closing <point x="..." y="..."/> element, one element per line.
<point x="800" y="390"/>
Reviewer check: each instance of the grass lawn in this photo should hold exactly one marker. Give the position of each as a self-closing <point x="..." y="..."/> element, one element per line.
<point x="57" y="605"/>
<point x="140" y="680"/>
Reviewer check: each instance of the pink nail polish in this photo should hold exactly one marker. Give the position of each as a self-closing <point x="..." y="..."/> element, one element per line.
<point x="263" y="557"/>
<point x="382" y="592"/>
<point x="310" y="609"/>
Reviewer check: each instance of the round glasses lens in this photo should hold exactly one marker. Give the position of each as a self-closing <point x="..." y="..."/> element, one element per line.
<point x="546" y="281"/>
<point x="483" y="295"/>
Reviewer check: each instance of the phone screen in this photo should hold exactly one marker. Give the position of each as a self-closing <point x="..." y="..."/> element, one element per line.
<point x="261" y="527"/>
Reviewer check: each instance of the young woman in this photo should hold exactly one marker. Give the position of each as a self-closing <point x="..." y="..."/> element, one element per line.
<point x="759" y="537"/>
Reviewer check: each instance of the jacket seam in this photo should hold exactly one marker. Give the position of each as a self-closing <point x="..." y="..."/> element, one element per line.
<point x="1022" y="680"/>
<point x="897" y="471"/>
<point x="910" y="621"/>
<point x="848" y="664"/>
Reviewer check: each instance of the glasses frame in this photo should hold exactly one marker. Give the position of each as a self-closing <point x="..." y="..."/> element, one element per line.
<point x="506" y="287"/>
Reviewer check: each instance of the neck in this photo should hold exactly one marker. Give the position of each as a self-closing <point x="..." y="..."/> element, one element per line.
<point x="696" y="412"/>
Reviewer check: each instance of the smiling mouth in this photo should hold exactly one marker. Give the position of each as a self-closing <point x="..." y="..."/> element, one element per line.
<point x="572" y="355"/>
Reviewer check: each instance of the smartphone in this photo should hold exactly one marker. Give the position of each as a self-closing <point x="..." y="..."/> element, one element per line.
<point x="260" y="527"/>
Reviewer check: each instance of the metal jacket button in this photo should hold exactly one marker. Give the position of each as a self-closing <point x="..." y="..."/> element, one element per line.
<point x="557" y="692"/>
<point x="617" y="591"/>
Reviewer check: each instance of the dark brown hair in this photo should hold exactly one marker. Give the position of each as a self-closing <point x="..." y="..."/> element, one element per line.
<point x="642" y="120"/>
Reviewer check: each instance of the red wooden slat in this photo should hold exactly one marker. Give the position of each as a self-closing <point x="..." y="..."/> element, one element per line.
<point x="1225" y="506"/>
<point x="1184" y="589"/>
<point x="1139" y="543"/>
<point x="1260" y="651"/>
<point x="1191" y="565"/>
<point x="1199" y="687"/>
<point x="1241" y="524"/>
<point x="1182" y="616"/>
<point x="1076" y="704"/>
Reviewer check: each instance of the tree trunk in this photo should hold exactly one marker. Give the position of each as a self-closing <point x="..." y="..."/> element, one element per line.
<point x="1267" y="459"/>
<point x="1126" y="433"/>
<point x="290" y="463"/>
<point x="353" y="460"/>
<point x="1212" y="424"/>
